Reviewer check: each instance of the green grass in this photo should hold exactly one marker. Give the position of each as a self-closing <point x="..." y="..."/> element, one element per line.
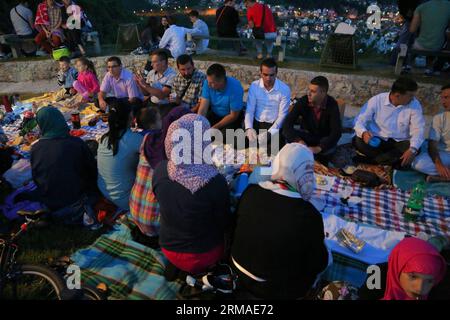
<point x="42" y="246"/>
<point x="38" y="245"/>
<point x="367" y="66"/>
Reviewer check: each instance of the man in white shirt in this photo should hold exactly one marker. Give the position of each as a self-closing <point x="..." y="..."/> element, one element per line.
<point x="267" y="104"/>
<point x="390" y="131"/>
<point x="174" y="40"/>
<point x="159" y="82"/>
<point x="22" y="19"/>
<point x="200" y="28"/>
<point x="436" y="162"/>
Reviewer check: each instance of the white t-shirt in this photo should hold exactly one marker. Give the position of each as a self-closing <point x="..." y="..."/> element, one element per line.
<point x="174" y="39"/>
<point x="22" y="27"/>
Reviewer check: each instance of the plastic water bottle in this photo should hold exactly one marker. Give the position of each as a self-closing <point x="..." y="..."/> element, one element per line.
<point x="414" y="206"/>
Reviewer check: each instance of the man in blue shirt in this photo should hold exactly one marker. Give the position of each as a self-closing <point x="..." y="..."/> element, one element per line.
<point x="221" y="99"/>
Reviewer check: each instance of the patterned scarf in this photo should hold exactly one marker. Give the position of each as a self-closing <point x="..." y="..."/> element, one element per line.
<point x="189" y="167"/>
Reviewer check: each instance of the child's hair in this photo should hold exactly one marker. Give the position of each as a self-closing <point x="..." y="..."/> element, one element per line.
<point x="89" y="64"/>
<point x="118" y="120"/>
<point x="147" y="118"/>
<point x="64" y="59"/>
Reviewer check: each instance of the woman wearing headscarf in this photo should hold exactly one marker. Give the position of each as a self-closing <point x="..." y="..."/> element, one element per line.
<point x="63" y="168"/>
<point x="118" y="155"/>
<point x="193" y="197"/>
<point x="414" y="268"/>
<point x="278" y="248"/>
<point x="144" y="207"/>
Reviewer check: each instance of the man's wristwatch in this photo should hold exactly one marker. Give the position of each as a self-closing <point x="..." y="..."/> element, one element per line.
<point x="414" y="150"/>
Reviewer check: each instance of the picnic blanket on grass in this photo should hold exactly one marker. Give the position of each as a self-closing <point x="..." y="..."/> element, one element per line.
<point x="130" y="270"/>
<point x="383" y="208"/>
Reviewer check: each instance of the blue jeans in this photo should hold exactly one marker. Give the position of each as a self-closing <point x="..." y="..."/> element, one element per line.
<point x="73" y="214"/>
<point x="270" y="39"/>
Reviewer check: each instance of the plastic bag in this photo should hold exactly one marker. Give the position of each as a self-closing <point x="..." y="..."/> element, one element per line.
<point x="19" y="174"/>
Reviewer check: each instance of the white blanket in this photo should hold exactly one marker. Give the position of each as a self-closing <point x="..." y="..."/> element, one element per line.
<point x="379" y="243"/>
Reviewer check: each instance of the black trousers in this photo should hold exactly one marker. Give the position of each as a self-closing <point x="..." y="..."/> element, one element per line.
<point x="73" y="39"/>
<point x="388" y="153"/>
<point x="136" y="104"/>
<point x="313" y="140"/>
<point x="259" y="127"/>
<point x="214" y="118"/>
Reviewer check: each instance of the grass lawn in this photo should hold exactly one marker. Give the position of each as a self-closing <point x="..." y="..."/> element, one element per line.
<point x="41" y="245"/>
<point x="37" y="246"/>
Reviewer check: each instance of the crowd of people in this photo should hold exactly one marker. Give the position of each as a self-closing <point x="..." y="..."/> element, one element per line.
<point x="424" y="28"/>
<point x="184" y="208"/>
<point x="166" y="34"/>
<point x="50" y="26"/>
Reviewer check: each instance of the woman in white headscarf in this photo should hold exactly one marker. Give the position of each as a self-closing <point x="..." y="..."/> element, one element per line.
<point x="278" y="248"/>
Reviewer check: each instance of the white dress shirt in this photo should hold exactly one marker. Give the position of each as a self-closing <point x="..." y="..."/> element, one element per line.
<point x="200" y="28"/>
<point x="385" y="120"/>
<point x="270" y="106"/>
<point x="174" y="39"/>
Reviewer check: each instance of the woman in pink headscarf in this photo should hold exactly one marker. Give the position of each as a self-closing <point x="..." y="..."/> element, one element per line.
<point x="414" y="268"/>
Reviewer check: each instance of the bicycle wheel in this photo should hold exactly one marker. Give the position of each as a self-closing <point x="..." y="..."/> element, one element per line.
<point x="92" y="293"/>
<point x="34" y="282"/>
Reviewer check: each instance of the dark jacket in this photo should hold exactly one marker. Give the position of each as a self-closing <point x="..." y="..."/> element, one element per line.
<point x="227" y="24"/>
<point x="64" y="170"/>
<point x="191" y="223"/>
<point x="326" y="132"/>
<point x="407" y="8"/>
<point x="281" y="240"/>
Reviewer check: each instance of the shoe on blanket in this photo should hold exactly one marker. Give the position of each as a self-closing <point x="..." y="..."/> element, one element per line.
<point x="139" y="237"/>
<point x="172" y="273"/>
<point x="221" y="279"/>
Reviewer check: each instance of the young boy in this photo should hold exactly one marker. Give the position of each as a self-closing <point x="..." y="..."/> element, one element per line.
<point x="66" y="77"/>
<point x="149" y="120"/>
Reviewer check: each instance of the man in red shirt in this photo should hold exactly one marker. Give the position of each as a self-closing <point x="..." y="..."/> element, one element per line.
<point x="255" y="16"/>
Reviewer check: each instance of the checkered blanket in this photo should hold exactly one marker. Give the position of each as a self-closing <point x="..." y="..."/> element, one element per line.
<point x="381" y="208"/>
<point x="130" y="270"/>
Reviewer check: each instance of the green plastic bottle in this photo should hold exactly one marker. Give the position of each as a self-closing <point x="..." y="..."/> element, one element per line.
<point x="28" y="127"/>
<point x="414" y="206"/>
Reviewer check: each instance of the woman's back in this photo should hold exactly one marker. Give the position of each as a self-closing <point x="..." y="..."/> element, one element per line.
<point x="63" y="169"/>
<point x="118" y="172"/>
<point x="279" y="239"/>
<point x="191" y="223"/>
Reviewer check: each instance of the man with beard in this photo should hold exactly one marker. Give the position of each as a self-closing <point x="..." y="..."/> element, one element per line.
<point x="187" y="84"/>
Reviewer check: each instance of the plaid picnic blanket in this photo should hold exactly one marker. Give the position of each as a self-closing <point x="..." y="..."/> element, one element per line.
<point x="130" y="270"/>
<point x="381" y="208"/>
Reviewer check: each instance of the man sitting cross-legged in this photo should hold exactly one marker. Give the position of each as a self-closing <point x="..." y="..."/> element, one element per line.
<point x="436" y="162"/>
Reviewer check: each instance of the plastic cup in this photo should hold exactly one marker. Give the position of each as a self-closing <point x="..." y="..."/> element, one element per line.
<point x="374" y="142"/>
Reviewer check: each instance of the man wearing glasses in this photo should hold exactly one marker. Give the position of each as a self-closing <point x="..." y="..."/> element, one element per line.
<point x="118" y="83"/>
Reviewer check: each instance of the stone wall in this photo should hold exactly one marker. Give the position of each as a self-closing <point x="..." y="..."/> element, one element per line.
<point x="355" y="90"/>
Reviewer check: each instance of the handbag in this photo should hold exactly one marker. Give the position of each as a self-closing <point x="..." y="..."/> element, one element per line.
<point x="366" y="178"/>
<point x="258" y="32"/>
